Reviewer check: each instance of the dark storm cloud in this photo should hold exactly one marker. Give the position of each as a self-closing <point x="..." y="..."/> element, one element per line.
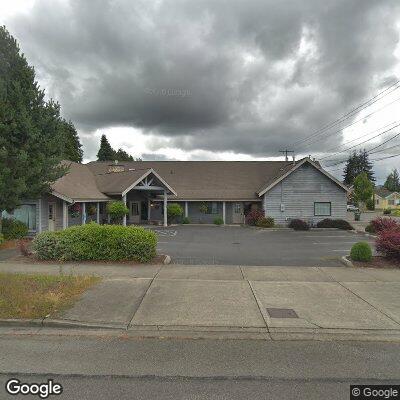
<point x="243" y="76"/>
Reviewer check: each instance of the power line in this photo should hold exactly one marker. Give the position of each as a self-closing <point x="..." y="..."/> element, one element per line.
<point x="354" y="122"/>
<point x="360" y="137"/>
<point x="379" y="145"/>
<point x="358" y="144"/>
<point x="357" y="109"/>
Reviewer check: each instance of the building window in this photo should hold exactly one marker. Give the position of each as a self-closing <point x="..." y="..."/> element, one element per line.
<point x="377" y="201"/>
<point x="135" y="208"/>
<point x="26" y="213"/>
<point x="391" y="202"/>
<point x="214" y="207"/>
<point x="322" y="209"/>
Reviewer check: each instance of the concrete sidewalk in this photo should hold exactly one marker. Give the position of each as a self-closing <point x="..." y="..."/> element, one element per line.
<point x="236" y="301"/>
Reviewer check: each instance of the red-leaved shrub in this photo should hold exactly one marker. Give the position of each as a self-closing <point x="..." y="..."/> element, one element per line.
<point x="388" y="243"/>
<point x="254" y="216"/>
<point x="385" y="224"/>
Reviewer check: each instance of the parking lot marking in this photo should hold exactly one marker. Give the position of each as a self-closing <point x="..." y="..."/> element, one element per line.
<point x="333" y="242"/>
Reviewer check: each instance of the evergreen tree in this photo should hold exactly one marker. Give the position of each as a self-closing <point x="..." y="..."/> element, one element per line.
<point x="106" y="152"/>
<point x="122" y="155"/>
<point x="72" y="147"/>
<point x="357" y="163"/>
<point x="30" y="138"/>
<point x="392" y="182"/>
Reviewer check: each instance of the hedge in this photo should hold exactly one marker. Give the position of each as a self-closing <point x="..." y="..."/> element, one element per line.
<point x="266" y="222"/>
<point x="2" y="240"/>
<point x="299" y="225"/>
<point x="335" y="223"/>
<point x="253" y="216"/>
<point x="388" y="244"/>
<point x="384" y="224"/>
<point x="13" y="229"/>
<point x="361" y="251"/>
<point x="97" y="242"/>
<point x="218" y="221"/>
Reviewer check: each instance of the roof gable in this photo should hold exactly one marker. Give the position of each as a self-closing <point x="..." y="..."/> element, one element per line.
<point x="285" y="173"/>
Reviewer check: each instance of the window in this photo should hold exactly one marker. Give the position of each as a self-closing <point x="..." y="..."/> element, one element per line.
<point x="26" y="214"/>
<point x="212" y="207"/>
<point x="391" y="202"/>
<point x="377" y="201"/>
<point x="322" y="209"/>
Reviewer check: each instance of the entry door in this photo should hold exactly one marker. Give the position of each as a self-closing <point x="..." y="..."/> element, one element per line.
<point x="52" y="216"/>
<point x="237" y="213"/>
<point x="134" y="212"/>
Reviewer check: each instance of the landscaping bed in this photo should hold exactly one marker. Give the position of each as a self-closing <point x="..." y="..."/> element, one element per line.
<point x="38" y="295"/>
<point x="377" y="262"/>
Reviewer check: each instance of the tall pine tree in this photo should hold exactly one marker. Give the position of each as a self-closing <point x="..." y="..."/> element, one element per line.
<point x="30" y="135"/>
<point x="106" y="152"/>
<point x="122" y="155"/>
<point x="392" y="182"/>
<point x="72" y="147"/>
<point x="357" y="163"/>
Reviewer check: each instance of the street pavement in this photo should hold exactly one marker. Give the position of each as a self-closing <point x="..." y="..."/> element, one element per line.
<point x="104" y="366"/>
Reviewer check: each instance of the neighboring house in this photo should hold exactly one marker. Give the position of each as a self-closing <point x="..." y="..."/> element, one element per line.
<point x="386" y="199"/>
<point x="230" y="189"/>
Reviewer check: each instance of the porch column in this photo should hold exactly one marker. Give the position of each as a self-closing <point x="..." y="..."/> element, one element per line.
<point x="40" y="215"/>
<point x="98" y="213"/>
<point x="186" y="209"/>
<point x="124" y="218"/>
<point x="83" y="213"/>
<point x="65" y="215"/>
<point x="165" y="209"/>
<point x="148" y="210"/>
<point x="223" y="211"/>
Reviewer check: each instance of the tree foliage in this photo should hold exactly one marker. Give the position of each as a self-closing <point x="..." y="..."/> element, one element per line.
<point x="72" y="147"/>
<point x="392" y="182"/>
<point x="30" y="135"/>
<point x="357" y="163"/>
<point x="363" y="188"/>
<point x="107" y="153"/>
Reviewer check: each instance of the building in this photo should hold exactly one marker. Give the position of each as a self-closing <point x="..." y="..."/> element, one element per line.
<point x="205" y="189"/>
<point x="386" y="199"/>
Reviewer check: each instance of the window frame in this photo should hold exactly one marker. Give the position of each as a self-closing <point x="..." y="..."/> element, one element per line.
<point x="323" y="202"/>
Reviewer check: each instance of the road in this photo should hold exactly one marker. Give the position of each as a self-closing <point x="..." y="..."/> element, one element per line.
<point x="235" y="245"/>
<point x="109" y="367"/>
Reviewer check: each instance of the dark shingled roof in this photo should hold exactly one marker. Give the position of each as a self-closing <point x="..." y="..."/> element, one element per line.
<point x="191" y="180"/>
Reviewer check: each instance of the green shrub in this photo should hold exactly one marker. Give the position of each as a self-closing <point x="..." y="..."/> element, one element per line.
<point x="185" y="220"/>
<point x="218" y="221"/>
<point x="265" y="222"/>
<point x="361" y="251"/>
<point x="47" y="246"/>
<point x="117" y="210"/>
<point x="396" y="213"/>
<point x="370" y="204"/>
<point x="370" y="228"/>
<point x="2" y="240"/>
<point x="387" y="211"/>
<point x="97" y="242"/>
<point x="335" y="223"/>
<point x="299" y="225"/>
<point x="174" y="210"/>
<point x="13" y="229"/>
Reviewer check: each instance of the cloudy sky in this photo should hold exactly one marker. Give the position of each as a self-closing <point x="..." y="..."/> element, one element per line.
<point x="219" y="79"/>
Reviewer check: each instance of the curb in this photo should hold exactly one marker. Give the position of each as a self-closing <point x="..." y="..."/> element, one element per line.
<point x="347" y="262"/>
<point x="67" y="328"/>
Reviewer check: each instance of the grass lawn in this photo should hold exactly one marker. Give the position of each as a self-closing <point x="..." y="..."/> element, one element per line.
<point x="35" y="296"/>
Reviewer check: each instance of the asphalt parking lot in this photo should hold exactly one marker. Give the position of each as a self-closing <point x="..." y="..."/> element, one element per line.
<point x="231" y="245"/>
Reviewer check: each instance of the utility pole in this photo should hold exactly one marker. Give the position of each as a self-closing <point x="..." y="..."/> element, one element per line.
<point x="286" y="152"/>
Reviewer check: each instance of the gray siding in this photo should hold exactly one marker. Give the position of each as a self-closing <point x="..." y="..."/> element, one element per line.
<point x="299" y="191"/>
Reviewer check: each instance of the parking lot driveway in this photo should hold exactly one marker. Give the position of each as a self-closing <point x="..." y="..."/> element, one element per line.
<point x="231" y="245"/>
